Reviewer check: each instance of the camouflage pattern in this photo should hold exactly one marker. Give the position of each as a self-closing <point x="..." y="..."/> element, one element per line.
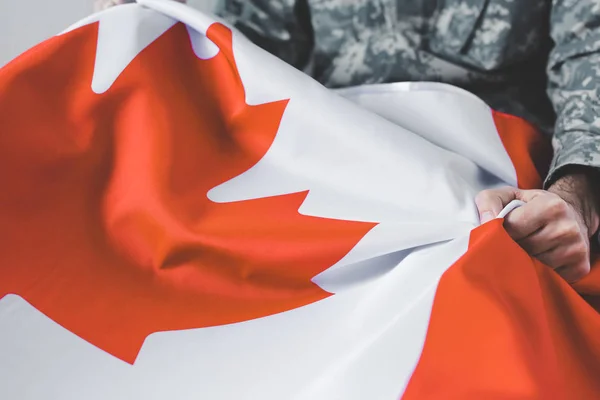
<point x="537" y="59"/>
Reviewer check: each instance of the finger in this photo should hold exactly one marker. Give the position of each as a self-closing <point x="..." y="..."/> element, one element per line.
<point x="576" y="272"/>
<point x="535" y="214"/>
<point x="553" y="234"/>
<point x="540" y="241"/>
<point x="490" y="202"/>
<point x="574" y="255"/>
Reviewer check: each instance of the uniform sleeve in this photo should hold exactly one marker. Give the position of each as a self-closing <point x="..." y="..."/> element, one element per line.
<point x="282" y="27"/>
<point x="574" y="84"/>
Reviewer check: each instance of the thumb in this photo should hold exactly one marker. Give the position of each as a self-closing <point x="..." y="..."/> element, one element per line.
<point x="490" y="202"/>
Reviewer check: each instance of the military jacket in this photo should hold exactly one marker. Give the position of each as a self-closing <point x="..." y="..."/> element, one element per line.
<point x="537" y="59"/>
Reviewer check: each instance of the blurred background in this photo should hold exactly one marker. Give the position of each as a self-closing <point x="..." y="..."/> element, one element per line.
<point x="24" y="23"/>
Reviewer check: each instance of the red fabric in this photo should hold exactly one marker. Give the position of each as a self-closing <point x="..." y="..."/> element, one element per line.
<point x="504" y="326"/>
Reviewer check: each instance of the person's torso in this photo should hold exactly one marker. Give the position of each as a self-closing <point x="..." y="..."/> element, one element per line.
<point x="361" y="41"/>
<point x="495" y="48"/>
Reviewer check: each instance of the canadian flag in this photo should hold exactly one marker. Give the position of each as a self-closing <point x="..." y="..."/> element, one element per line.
<point x="183" y="216"/>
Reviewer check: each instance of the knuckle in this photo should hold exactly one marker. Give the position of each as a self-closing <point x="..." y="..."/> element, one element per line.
<point x="482" y="196"/>
<point x="580" y="250"/>
<point x="571" y="230"/>
<point x="557" y="207"/>
<point x="579" y="271"/>
<point x="575" y="272"/>
<point x="492" y="193"/>
<point x="574" y="254"/>
<point x="489" y="194"/>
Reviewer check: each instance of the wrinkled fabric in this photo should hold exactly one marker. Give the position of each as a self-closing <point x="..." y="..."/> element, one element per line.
<point x="537" y="59"/>
<point x="185" y="217"/>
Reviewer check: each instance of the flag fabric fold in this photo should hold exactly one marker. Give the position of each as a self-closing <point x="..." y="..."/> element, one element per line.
<point x="185" y="216"/>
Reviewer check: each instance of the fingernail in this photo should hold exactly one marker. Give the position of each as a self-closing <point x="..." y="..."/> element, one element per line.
<point x="487" y="216"/>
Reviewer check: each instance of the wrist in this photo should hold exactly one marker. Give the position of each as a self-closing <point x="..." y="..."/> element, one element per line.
<point x="580" y="187"/>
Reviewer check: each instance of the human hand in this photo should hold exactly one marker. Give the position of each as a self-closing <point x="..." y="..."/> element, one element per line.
<point x="554" y="226"/>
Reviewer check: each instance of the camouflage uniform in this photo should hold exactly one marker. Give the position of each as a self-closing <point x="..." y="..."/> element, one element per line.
<point x="538" y="59"/>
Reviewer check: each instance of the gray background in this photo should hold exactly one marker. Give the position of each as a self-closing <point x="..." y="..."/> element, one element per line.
<point x="24" y="23"/>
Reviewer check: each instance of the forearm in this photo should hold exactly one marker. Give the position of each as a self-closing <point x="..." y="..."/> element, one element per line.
<point x="574" y="86"/>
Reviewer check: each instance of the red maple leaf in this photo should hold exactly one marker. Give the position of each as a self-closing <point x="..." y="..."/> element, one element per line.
<point x="104" y="218"/>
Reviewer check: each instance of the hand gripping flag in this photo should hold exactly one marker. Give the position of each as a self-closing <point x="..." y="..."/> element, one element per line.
<point x="184" y="216"/>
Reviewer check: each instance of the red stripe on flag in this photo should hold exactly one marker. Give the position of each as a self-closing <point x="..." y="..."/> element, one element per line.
<point x="504" y="326"/>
